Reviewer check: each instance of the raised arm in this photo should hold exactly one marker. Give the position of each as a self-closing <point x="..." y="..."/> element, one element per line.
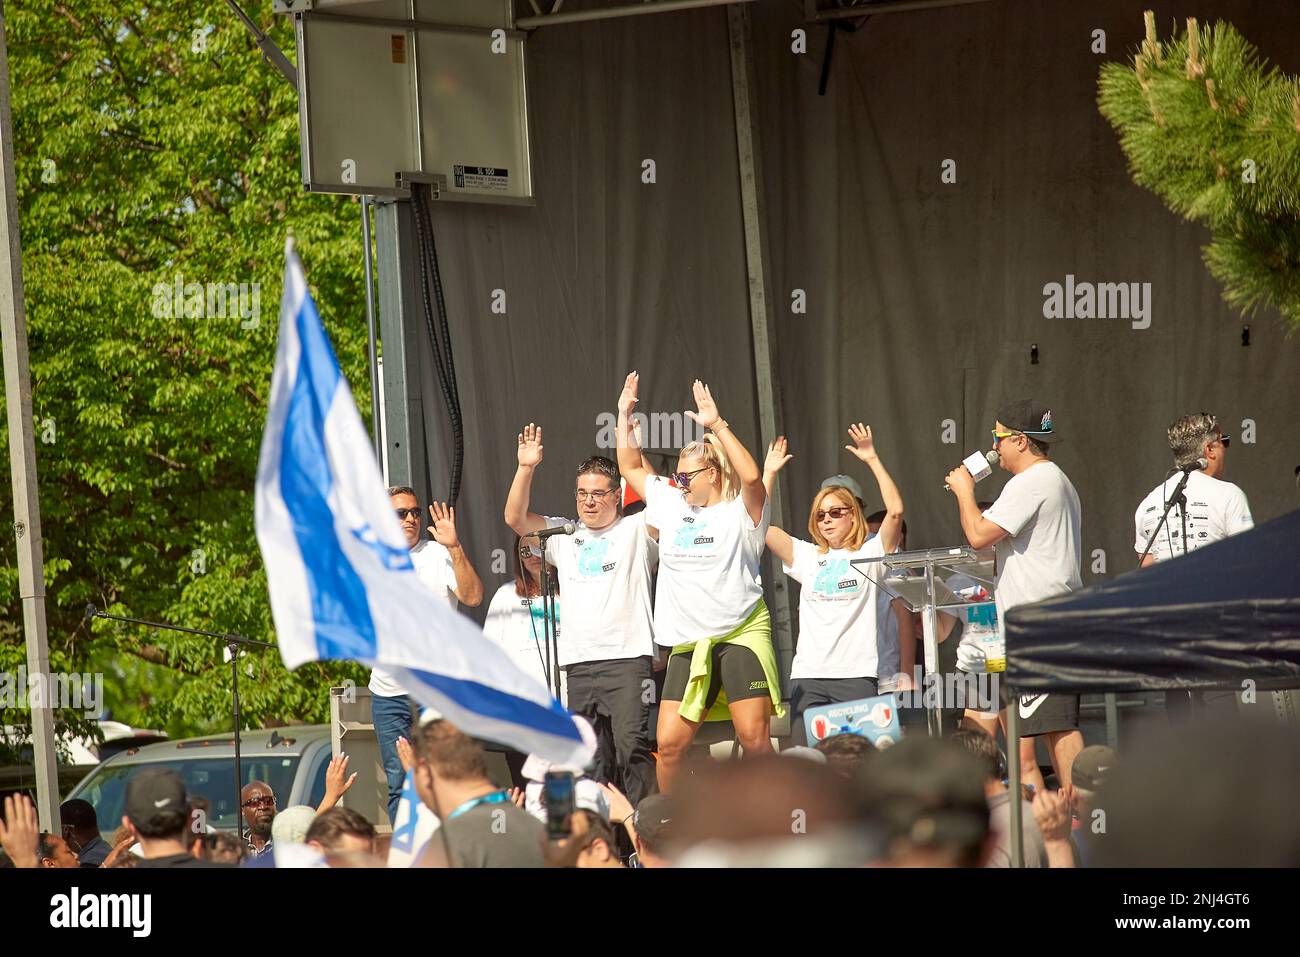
<point x="864" y="448"/>
<point x="778" y="540"/>
<point x="518" y="517"/>
<point x="752" y="491"/>
<point x="630" y="462"/>
<point x="469" y="587"/>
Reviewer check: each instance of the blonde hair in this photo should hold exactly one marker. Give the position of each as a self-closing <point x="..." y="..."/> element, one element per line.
<point x="710" y="450"/>
<point x="857" y="534"/>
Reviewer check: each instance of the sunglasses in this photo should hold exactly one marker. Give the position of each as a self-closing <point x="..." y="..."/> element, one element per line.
<point x="527" y="551"/>
<point x="403" y="512"/>
<point x="683" y="479"/>
<point x="260" y="802"/>
<point x="1225" y="440"/>
<point x="839" y="511"/>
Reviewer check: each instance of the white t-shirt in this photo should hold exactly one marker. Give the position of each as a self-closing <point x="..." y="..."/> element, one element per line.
<point x="709" y="574"/>
<point x="1215" y="510"/>
<point x="605" y="584"/>
<point x="838" y="610"/>
<point x="1040" y="556"/>
<point x="518" y="626"/>
<point x="433" y="567"/>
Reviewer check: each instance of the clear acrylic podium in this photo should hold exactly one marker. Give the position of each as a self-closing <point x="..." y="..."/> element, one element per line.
<point x="928" y="594"/>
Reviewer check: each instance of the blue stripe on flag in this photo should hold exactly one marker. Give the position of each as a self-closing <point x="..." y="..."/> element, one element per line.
<point x="341" y="614"/>
<point x="490" y="702"/>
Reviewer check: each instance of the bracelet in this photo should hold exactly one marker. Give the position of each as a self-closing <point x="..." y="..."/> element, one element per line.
<point x="719" y="426"/>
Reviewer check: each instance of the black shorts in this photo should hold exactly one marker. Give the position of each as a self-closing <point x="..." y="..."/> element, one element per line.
<point x="736" y="670"/>
<point x="1045" y="713"/>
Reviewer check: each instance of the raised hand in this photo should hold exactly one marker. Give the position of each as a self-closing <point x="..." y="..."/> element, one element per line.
<point x="443" y="528"/>
<point x="627" y="401"/>
<point x="337" y="780"/>
<point x="405" y="754"/>
<point x="777" y="456"/>
<point x="19" y="831"/>
<point x="707" y="414"/>
<point x="863" y="446"/>
<point x="1052" y="812"/>
<point x="530" y="445"/>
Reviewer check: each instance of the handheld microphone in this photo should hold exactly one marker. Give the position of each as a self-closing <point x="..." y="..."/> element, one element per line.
<point x="568" y="528"/>
<point x="980" y="465"/>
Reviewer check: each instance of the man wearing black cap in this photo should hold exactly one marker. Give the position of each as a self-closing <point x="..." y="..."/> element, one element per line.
<point x="157" y="812"/>
<point x="1035" y="524"/>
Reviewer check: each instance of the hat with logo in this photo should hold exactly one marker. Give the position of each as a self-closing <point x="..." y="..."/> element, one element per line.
<point x="156" y="797"/>
<point x="845" y="481"/>
<point x="653" y="821"/>
<point x="1030" y="417"/>
<point x="1091" y="767"/>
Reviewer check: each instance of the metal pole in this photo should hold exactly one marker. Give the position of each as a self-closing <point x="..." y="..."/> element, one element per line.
<point x="929" y="633"/>
<point x="372" y="345"/>
<point x="22" y="462"/>
<point x="769" y="396"/>
<point x="1013" y="782"/>
<point x="611" y="13"/>
<point x="1112" y="720"/>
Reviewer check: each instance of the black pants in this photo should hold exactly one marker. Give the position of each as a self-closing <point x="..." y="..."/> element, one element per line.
<point x="615" y="697"/>
<point x="808" y="693"/>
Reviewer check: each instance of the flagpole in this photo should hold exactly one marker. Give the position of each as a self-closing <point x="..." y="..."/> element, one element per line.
<point x="22" y="461"/>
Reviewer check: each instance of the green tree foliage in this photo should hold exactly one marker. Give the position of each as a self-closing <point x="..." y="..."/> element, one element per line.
<point x="155" y="147"/>
<point x="1214" y="132"/>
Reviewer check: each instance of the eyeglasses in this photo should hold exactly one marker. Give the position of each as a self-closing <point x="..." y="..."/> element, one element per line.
<point x="582" y="495"/>
<point x="526" y="552"/>
<point x="837" y="512"/>
<point x="999" y="436"/>
<point x="403" y="512"/>
<point x="260" y="802"/>
<point x="683" y="479"/>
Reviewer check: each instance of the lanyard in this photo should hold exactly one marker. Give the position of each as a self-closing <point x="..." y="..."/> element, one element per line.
<point x="496" y="797"/>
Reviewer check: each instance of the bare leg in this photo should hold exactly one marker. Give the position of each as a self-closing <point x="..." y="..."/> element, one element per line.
<point x="752" y="719"/>
<point x="1029" y="773"/>
<point x="1064" y="747"/>
<point x="978" y="721"/>
<point x="674" y="734"/>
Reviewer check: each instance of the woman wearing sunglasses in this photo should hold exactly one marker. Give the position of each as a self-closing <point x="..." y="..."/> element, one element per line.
<point x="514" y="618"/>
<point x="709" y="609"/>
<point x="843" y="654"/>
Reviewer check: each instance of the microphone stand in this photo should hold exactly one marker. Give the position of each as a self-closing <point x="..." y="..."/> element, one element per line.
<point x="548" y="629"/>
<point x="1177" y="496"/>
<point x="233" y="642"/>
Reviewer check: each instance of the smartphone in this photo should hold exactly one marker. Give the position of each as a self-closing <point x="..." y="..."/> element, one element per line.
<point x="558" y="798"/>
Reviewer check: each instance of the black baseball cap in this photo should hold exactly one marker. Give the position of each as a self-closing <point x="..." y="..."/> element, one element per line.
<point x="653" y="821"/>
<point x="1030" y="417"/>
<point x="1091" y="766"/>
<point x="155" y="799"/>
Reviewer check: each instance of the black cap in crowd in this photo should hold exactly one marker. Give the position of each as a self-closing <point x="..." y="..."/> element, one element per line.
<point x="1030" y="417"/>
<point x="156" y="797"/>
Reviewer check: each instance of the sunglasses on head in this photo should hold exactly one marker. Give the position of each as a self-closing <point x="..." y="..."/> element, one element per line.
<point x="836" y="512"/>
<point x="403" y="512"/>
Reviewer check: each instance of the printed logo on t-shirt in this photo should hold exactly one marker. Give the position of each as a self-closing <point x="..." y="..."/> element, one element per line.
<point x="835" y="578"/>
<point x="693" y="539"/>
<point x="591" y="558"/>
<point x="538" y="613"/>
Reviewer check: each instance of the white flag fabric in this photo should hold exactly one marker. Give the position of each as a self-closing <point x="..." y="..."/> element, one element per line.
<point x="414" y="826"/>
<point x="340" y="575"/>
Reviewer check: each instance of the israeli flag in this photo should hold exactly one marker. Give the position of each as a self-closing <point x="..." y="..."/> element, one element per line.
<point x="341" y="579"/>
<point x="414" y="826"/>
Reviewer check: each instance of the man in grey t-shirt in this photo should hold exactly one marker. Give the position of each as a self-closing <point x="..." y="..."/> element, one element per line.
<point x="1035" y="525"/>
<point x="481" y="826"/>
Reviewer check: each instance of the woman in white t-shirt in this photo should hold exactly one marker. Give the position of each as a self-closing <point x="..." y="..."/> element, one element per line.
<point x="842" y="654"/>
<point x="515" y="619"/>
<point x="709" y="606"/>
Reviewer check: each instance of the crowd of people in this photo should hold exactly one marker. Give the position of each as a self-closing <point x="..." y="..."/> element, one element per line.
<point x="659" y="582"/>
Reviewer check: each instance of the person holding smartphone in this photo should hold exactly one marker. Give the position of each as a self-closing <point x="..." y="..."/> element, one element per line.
<point x="842" y="654"/>
<point x="712" y="520"/>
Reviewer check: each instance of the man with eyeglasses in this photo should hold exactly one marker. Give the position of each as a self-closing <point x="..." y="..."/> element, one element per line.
<point x="607" y="648"/>
<point x="1035" y="526"/>
<point x="443" y="567"/>
<point x="1211" y="510"/>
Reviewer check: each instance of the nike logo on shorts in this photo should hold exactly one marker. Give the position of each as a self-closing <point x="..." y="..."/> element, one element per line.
<point x="1029" y="703"/>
